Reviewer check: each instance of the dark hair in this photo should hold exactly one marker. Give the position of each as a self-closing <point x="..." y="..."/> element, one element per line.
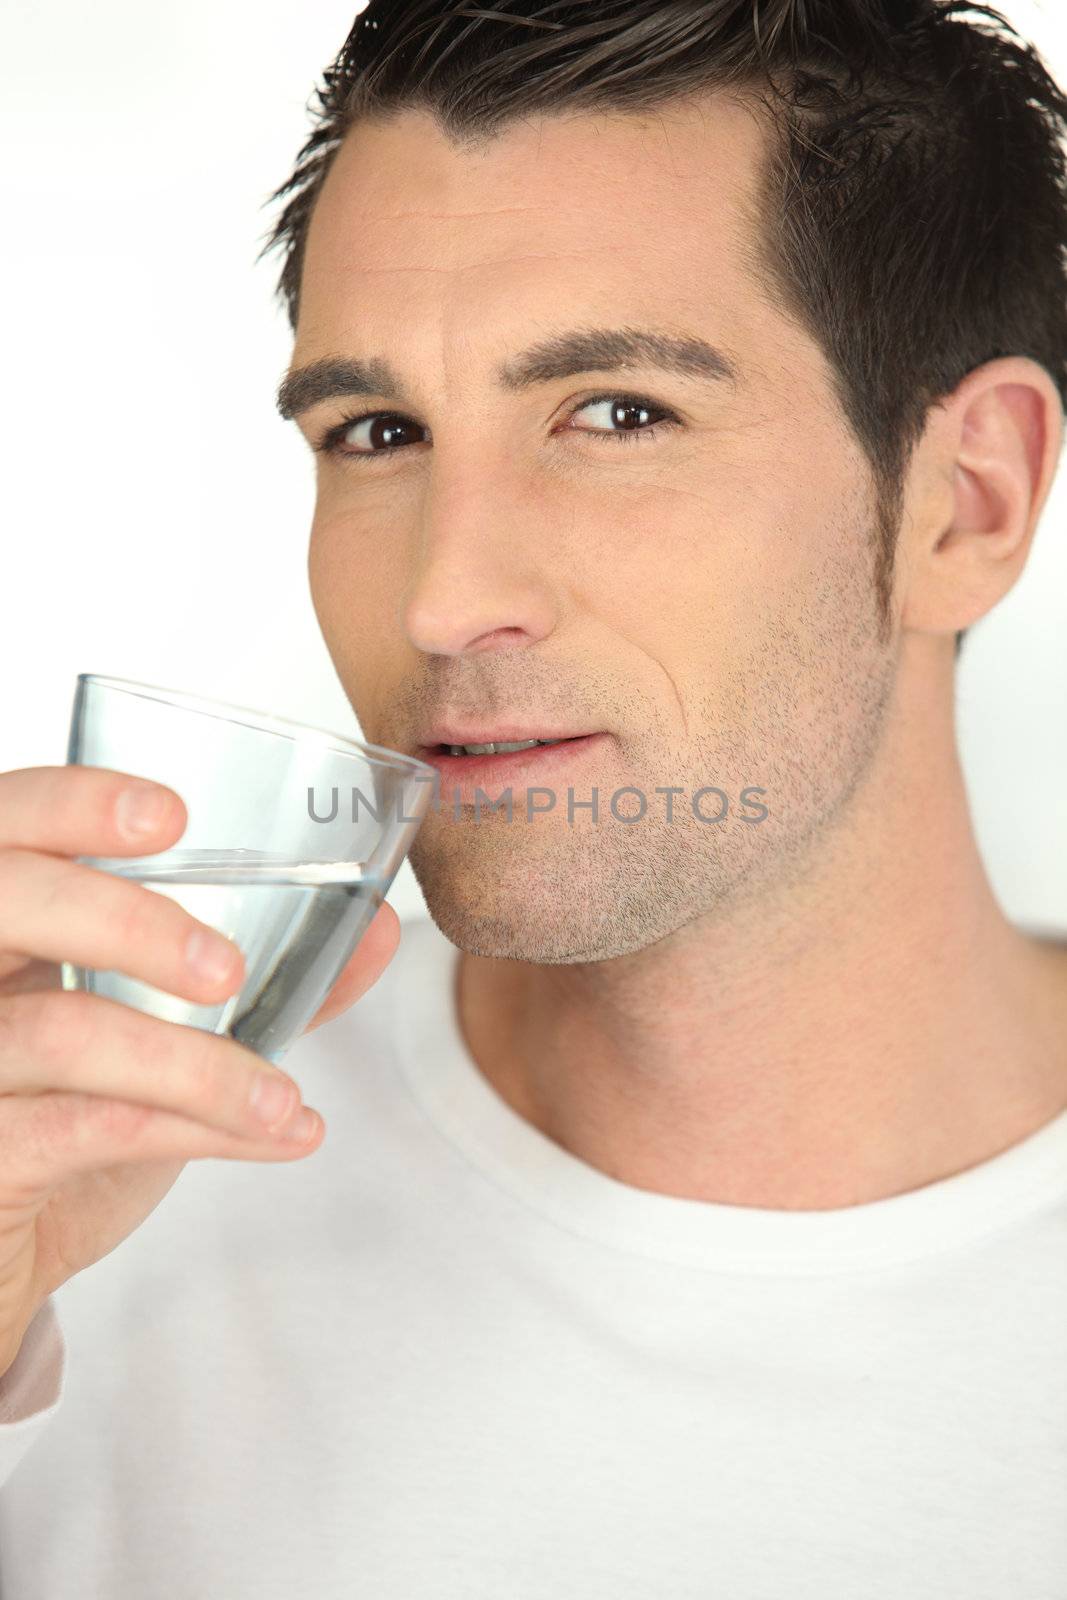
<point x="913" y="212"/>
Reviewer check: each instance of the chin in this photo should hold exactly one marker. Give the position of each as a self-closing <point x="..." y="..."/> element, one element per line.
<point x="499" y="919"/>
<point x="524" y="912"/>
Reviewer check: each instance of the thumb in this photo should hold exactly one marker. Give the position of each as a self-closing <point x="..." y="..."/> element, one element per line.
<point x="365" y="966"/>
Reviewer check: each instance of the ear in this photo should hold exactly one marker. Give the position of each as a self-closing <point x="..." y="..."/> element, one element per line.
<point x="977" y="484"/>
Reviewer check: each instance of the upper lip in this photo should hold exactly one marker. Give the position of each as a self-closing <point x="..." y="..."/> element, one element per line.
<point x="506" y="733"/>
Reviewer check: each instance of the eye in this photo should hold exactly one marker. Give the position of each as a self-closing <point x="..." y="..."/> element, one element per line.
<point x="616" y="406"/>
<point x="385" y="432"/>
<point x="382" y="431"/>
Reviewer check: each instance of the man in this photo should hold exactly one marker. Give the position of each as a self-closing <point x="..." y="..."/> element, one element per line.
<point x="698" y="1225"/>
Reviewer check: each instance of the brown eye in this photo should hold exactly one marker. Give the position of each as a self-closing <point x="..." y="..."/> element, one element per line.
<point x="376" y="433"/>
<point x="619" y="412"/>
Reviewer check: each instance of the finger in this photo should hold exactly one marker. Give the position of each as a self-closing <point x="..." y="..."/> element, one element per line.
<point x="59" y="910"/>
<point x="47" y="1139"/>
<point x="368" y="961"/>
<point x="87" y="811"/>
<point x="80" y="1043"/>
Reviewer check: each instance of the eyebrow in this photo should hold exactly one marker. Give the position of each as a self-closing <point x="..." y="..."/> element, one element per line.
<point x="560" y="356"/>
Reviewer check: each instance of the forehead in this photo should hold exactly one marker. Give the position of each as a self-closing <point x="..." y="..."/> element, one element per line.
<point x="639" y="215"/>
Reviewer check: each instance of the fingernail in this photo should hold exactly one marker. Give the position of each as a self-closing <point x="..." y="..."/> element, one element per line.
<point x="209" y="955"/>
<point x="272" y="1098"/>
<point x="141" y="808"/>
<point x="302" y="1127"/>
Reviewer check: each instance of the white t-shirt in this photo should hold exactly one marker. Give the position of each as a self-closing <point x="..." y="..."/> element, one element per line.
<point x="444" y="1358"/>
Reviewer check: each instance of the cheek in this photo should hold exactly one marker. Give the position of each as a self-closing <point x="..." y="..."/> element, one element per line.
<point x="353" y="607"/>
<point x="349" y="576"/>
<point x="690" y="567"/>
<point x="325" y="578"/>
<point x="745" y="594"/>
<point x="340" y="599"/>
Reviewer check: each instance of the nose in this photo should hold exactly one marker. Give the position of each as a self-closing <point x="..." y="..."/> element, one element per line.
<point x="477" y="583"/>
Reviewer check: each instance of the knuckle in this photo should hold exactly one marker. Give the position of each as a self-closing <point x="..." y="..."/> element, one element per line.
<point x="56" y="1119"/>
<point x="225" y="1072"/>
<point x="183" y="1060"/>
<point x="69" y="1124"/>
<point x="132" y="914"/>
<point x="14" y="781"/>
<point x="200" y="1072"/>
<point x="79" y="799"/>
<point x="226" y="1084"/>
<point x="51" y="791"/>
<point x="104" y="1118"/>
<point x="51" y="887"/>
<point x="13" y="870"/>
<point x="56" y="1026"/>
<point x="88" y="790"/>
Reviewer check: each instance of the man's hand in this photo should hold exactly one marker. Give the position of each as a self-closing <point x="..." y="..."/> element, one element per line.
<point x="101" y="1105"/>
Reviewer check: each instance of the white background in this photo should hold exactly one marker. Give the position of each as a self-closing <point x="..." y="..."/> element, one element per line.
<point x="155" y="509"/>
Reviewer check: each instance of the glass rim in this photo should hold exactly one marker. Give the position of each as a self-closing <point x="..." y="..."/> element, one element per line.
<point x="262" y="722"/>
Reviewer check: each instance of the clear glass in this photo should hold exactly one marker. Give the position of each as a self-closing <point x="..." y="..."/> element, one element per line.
<point x="293" y="839"/>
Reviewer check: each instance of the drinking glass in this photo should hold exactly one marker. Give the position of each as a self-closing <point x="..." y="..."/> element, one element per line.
<point x="293" y="839"/>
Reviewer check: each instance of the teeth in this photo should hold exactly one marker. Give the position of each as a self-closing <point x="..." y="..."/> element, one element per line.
<point x="495" y="749"/>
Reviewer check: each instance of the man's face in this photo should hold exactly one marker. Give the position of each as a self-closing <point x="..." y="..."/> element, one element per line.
<point x="701" y="593"/>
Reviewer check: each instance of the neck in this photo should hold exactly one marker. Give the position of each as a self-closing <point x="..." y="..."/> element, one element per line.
<point x="878" y="1026"/>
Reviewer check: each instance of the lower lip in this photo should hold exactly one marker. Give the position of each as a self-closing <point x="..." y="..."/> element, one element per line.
<point x="512" y="769"/>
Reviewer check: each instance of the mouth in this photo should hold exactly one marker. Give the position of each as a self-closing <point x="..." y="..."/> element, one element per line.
<point x="502" y="763"/>
<point x="502" y="746"/>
